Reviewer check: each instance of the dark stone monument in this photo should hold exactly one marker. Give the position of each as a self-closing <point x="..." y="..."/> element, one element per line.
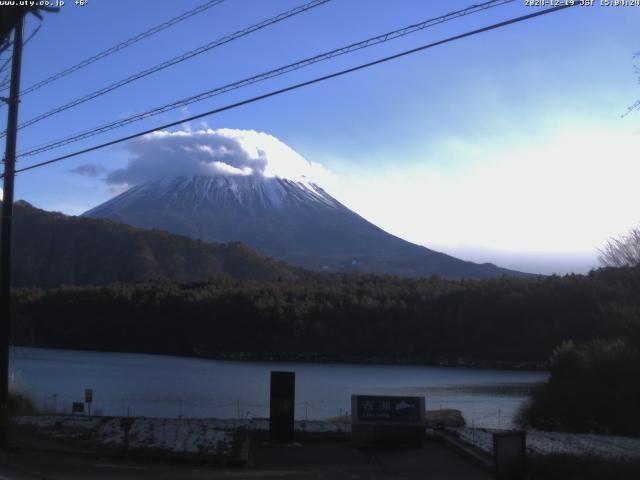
<point x="281" y="408"/>
<point x="509" y="455"/>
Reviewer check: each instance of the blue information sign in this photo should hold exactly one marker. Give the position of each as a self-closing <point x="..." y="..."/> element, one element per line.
<point x="373" y="408"/>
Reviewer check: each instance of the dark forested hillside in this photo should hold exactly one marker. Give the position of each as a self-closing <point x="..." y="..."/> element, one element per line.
<point x="51" y="249"/>
<point x="341" y="318"/>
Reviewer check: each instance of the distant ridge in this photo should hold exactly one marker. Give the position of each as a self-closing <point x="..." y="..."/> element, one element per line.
<point x="295" y="221"/>
<point x="51" y="249"/>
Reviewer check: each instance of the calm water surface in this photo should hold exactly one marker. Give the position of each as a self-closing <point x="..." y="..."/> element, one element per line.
<point x="156" y="385"/>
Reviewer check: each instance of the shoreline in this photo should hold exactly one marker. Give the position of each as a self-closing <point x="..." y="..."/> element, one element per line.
<point x="461" y="362"/>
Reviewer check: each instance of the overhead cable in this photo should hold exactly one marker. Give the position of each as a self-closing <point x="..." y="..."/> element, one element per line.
<point x="385" y="37"/>
<point x="174" y="61"/>
<point x="301" y="85"/>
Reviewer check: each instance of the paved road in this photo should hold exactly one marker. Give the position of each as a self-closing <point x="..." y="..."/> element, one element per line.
<point x="302" y="462"/>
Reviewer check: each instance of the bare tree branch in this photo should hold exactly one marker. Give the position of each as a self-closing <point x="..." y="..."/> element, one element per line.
<point x="636" y="105"/>
<point x="621" y="251"/>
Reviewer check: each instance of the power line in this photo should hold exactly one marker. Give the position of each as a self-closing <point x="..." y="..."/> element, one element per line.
<point x="385" y="37"/>
<point x="8" y="61"/>
<point x="27" y="40"/>
<point x="32" y="34"/>
<point x="5" y="44"/>
<point x="302" y="84"/>
<point x="174" y="61"/>
<point x="5" y="80"/>
<point x="123" y="45"/>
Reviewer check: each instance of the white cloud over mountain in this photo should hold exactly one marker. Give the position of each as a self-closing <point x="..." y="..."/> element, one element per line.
<point x="212" y="152"/>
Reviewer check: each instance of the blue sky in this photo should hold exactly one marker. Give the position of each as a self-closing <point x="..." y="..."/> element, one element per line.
<point x="506" y="147"/>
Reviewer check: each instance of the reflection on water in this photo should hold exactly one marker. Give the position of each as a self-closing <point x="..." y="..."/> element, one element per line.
<point x="155" y="385"/>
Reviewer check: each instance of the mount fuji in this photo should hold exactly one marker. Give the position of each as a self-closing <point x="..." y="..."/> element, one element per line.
<point x="294" y="221"/>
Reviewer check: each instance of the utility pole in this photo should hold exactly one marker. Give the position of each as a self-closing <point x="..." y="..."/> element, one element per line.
<point x="5" y="236"/>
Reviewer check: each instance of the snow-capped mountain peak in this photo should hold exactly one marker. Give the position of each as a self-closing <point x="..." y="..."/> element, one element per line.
<point x="252" y="192"/>
<point x="293" y="220"/>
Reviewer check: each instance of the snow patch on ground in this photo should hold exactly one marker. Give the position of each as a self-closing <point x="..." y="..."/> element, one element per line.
<point x="194" y="435"/>
<point x="183" y="435"/>
<point x="546" y="443"/>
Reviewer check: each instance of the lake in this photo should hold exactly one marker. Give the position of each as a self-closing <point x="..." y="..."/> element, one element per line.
<point x="164" y="386"/>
